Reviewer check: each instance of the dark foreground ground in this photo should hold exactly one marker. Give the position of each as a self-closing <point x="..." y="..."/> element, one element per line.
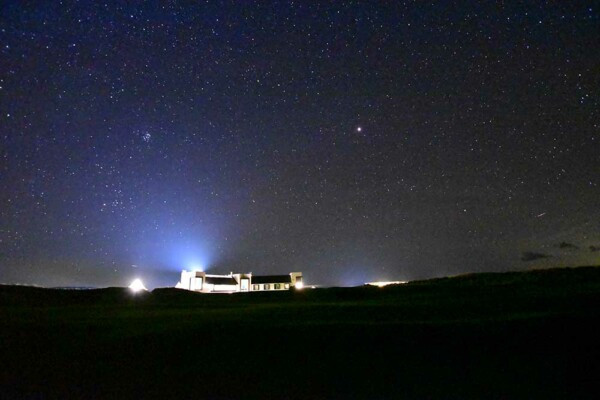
<point x="486" y="336"/>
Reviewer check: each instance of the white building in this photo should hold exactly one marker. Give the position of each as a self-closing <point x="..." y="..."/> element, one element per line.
<point x="199" y="281"/>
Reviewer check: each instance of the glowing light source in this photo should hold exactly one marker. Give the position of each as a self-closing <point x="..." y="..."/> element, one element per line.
<point x="137" y="286"/>
<point x="197" y="267"/>
<point x="384" y="283"/>
<point x="299" y="285"/>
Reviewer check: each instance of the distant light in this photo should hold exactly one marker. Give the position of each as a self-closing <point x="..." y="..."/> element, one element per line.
<point x="299" y="285"/>
<point x="385" y="283"/>
<point x="359" y="129"/>
<point x="137" y="286"/>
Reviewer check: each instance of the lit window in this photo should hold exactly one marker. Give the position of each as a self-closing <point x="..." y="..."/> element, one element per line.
<point x="287" y="286"/>
<point x="266" y="286"/>
<point x="255" y="287"/>
<point x="278" y="286"/>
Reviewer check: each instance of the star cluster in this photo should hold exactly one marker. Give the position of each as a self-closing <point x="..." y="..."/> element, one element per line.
<point x="352" y="141"/>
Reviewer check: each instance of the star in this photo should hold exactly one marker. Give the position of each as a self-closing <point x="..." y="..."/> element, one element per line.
<point x="233" y="145"/>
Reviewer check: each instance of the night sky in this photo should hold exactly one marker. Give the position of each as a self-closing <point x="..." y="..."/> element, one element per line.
<point x="353" y="141"/>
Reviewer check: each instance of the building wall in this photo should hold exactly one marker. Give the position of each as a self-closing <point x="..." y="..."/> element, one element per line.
<point x="196" y="281"/>
<point x="240" y="277"/>
<point x="297" y="278"/>
<point x="209" y="287"/>
<point x="188" y="279"/>
<point x="261" y="287"/>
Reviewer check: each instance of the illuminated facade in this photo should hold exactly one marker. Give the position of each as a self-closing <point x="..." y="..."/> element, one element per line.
<point x="199" y="281"/>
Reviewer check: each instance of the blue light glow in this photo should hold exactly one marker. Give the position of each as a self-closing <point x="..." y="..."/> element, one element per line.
<point x="195" y="267"/>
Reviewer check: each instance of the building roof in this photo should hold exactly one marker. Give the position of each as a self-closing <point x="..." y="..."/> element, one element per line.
<point x="221" y="280"/>
<point x="271" y="279"/>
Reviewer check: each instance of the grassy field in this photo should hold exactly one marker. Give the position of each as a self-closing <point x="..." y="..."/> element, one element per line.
<point x="486" y="336"/>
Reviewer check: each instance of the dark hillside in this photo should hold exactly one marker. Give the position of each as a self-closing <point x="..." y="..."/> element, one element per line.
<point x="507" y="335"/>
